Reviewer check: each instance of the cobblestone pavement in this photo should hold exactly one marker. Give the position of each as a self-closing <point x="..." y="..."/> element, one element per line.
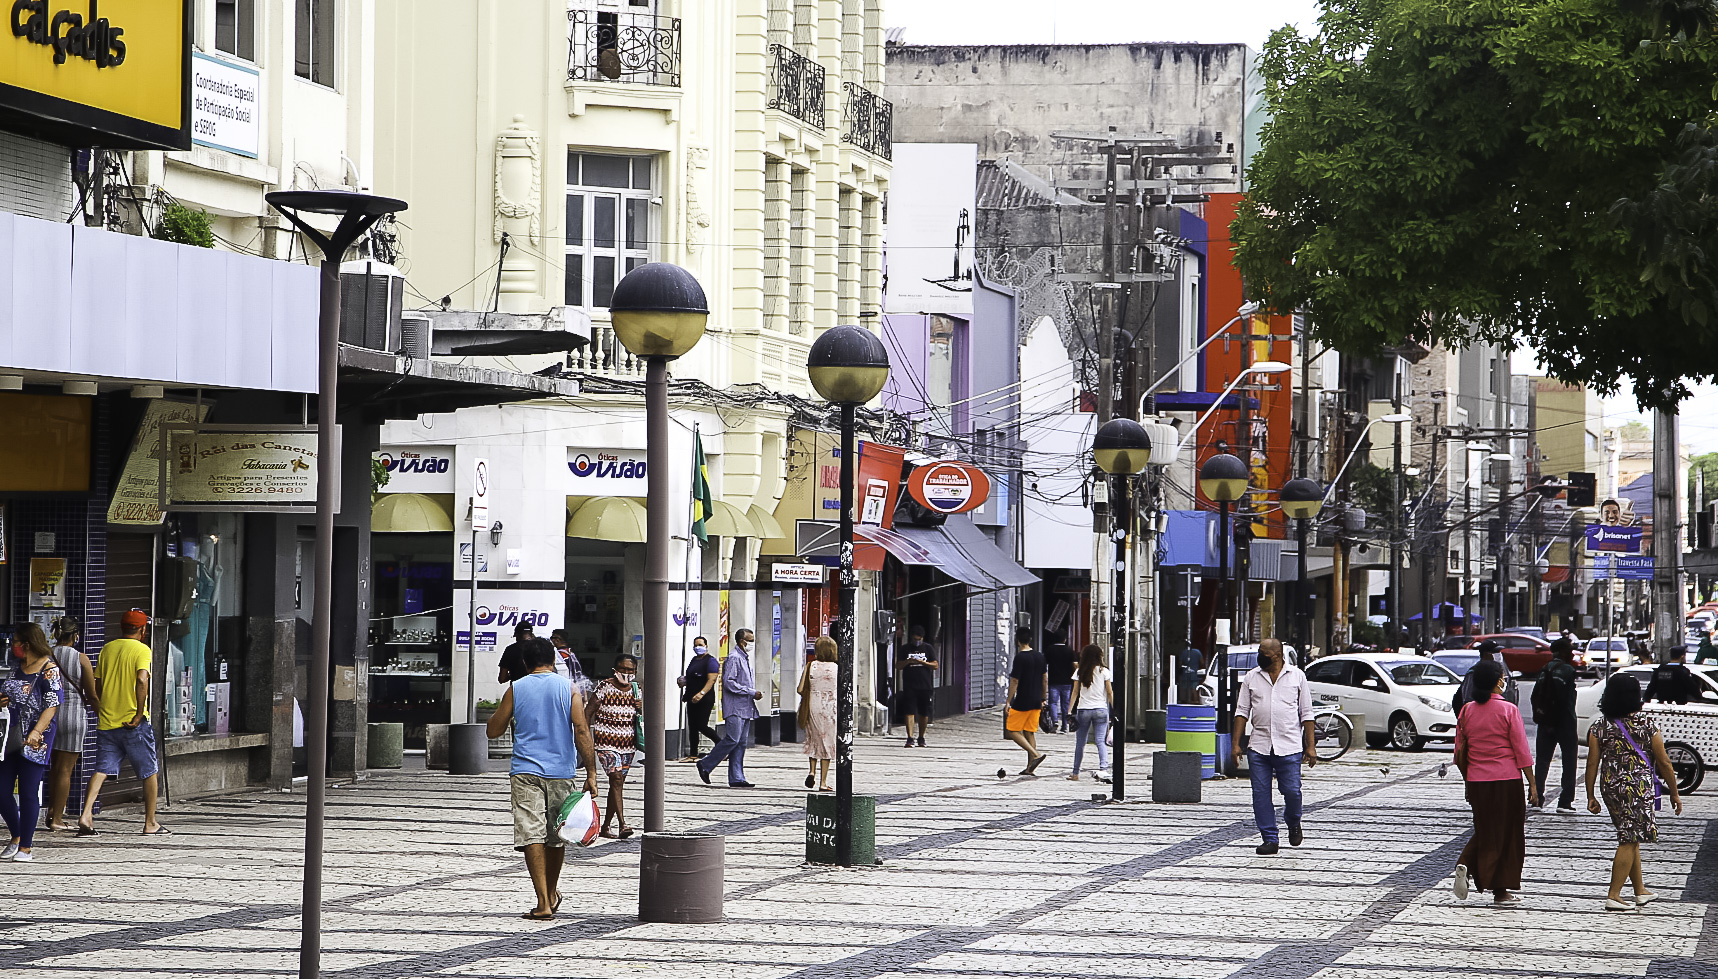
<point x="981" y="876"/>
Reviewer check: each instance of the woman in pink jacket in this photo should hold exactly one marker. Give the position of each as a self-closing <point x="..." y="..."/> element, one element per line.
<point x="1492" y="753"/>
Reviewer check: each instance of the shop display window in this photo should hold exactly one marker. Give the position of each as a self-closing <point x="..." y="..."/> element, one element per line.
<point x="201" y="594"/>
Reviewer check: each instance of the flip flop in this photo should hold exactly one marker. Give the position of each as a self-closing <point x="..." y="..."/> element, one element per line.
<point x="1032" y="766"/>
<point x="159" y="831"/>
<point x="625" y="831"/>
<point x="86" y="830"/>
<point x="532" y="915"/>
<point x="606" y="834"/>
<point x="556" y="906"/>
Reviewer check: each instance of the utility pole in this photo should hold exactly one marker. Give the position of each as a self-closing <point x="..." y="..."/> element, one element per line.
<point x="1396" y="524"/>
<point x="1666" y="533"/>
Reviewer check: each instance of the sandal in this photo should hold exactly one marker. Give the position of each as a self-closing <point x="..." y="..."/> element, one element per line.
<point x="532" y="915"/>
<point x="824" y="788"/>
<point x="607" y="834"/>
<point x="810" y="780"/>
<point x="625" y="831"/>
<point x="556" y="905"/>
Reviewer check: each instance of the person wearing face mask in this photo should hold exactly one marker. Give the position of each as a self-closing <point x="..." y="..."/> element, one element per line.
<point x="698" y="693"/>
<point x="740" y="695"/>
<point x="1275" y="698"/>
<point x="615" y="711"/>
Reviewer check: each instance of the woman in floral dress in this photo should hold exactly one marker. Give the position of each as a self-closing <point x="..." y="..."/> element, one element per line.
<point x="817" y="709"/>
<point x="1623" y="749"/>
<point x="614" y="714"/>
<point x="30" y="694"/>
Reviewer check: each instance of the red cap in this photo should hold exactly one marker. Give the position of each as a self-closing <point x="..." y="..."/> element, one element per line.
<point x="134" y="619"/>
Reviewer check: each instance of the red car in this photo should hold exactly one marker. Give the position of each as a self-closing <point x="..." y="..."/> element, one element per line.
<point x="1522" y="653"/>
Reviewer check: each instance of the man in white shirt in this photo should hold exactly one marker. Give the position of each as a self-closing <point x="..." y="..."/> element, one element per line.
<point x="1275" y="698"/>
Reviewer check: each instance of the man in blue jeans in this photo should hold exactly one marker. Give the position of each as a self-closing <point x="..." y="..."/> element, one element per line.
<point x="740" y="694"/>
<point x="1275" y="697"/>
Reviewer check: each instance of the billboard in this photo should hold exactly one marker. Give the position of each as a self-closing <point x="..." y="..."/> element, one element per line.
<point x="1604" y="537"/>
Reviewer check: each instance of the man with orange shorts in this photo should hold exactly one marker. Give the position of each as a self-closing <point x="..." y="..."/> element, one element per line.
<point x="1028" y="695"/>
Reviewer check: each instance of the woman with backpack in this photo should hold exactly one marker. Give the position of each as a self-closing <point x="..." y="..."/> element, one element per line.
<point x="1625" y="756"/>
<point x="616" y="716"/>
<point x="1090" y="703"/>
<point x="1492" y="753"/>
<point x="30" y="694"/>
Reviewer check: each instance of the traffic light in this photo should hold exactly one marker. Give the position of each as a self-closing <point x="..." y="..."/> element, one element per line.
<point x="1583" y="490"/>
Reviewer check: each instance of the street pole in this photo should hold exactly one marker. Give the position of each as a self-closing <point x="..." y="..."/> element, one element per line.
<point x="1396" y="527"/>
<point x="1227" y="611"/>
<point x="1121" y="598"/>
<point x="1666" y="533"/>
<point x="844" y="638"/>
<point x="1302" y="598"/>
<point x="656" y="569"/>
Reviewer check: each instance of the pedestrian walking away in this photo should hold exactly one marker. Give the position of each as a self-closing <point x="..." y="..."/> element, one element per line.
<point x="1028" y="695"/>
<point x="77" y="696"/>
<point x="1554" y="714"/>
<point x="1492" y="754"/>
<point x="698" y="688"/>
<point x="1060" y="660"/>
<point x="1672" y="681"/>
<point x="817" y="711"/>
<point x="617" y="719"/>
<point x="917" y="662"/>
<point x="740" y="695"/>
<point x="1707" y="653"/>
<point x="566" y="663"/>
<point x="30" y="694"/>
<point x="551" y="741"/>
<point x="1492" y="651"/>
<point x="1626" y="758"/>
<point x="512" y="665"/>
<point x="123" y="731"/>
<point x="1276" y="701"/>
<point x="1090" y="700"/>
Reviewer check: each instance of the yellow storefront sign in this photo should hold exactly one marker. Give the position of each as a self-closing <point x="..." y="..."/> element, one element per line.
<point x="111" y="73"/>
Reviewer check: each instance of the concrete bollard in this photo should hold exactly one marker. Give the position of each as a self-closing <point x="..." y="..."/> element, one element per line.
<point x="1359" y="722"/>
<point x="467" y="749"/>
<point x="1176" y="776"/>
<point x="1156" y="725"/>
<point x="387" y="745"/>
<point x="680" y="878"/>
<point x="435" y="746"/>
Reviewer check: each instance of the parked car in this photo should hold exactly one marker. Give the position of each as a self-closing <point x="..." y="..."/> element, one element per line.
<point x="1522" y="653"/>
<point x="1587" y="697"/>
<point x="1406" y="699"/>
<point x="1242" y="657"/>
<point x="1457" y="662"/>
<point x="1606" y="653"/>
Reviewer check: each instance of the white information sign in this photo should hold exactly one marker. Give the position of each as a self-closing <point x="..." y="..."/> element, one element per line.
<point x="480" y="495"/>
<point x="137" y="498"/>
<point x="224" y="105"/>
<point x="799" y="574"/>
<point x="225" y="468"/>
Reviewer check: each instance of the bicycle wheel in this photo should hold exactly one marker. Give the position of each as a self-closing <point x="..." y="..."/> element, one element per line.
<point x="1332" y="736"/>
<point x="1686" y="763"/>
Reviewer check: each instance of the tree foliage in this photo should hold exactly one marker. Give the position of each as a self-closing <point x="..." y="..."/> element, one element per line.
<point x="185" y="226"/>
<point x="1513" y="171"/>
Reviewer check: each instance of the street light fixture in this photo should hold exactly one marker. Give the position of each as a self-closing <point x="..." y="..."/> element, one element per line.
<point x="1400" y="418"/>
<point x="357" y="213"/>
<point x="1247" y="310"/>
<point x="659" y="314"/>
<point x="1224" y="478"/>
<point x="1121" y="448"/>
<point x="1262" y="367"/>
<point x="1301" y="500"/>
<point x="848" y="366"/>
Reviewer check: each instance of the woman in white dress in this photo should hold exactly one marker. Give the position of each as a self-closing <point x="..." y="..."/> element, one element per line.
<point x="817" y="712"/>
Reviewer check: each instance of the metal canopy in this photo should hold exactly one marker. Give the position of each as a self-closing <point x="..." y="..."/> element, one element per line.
<point x="384" y="386"/>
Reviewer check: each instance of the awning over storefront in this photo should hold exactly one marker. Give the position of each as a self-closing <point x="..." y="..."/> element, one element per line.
<point x="615" y="518"/>
<point x="958" y="548"/>
<point x="408" y="513"/>
<point x="727" y="520"/>
<point x="768" y="528"/>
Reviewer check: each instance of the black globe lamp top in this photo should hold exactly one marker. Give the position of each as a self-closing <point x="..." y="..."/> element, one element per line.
<point x="659" y="287"/>
<point x="848" y="364"/>
<point x="1301" y="498"/>
<point x="1121" y="447"/>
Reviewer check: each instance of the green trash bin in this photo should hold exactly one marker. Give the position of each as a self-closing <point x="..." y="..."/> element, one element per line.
<point x="387" y="745"/>
<point x="820" y="829"/>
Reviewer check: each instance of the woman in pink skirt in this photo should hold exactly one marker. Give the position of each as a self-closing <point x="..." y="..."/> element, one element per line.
<point x="817" y="711"/>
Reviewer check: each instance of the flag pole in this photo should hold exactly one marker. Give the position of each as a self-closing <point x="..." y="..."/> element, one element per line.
<point x="686" y="590"/>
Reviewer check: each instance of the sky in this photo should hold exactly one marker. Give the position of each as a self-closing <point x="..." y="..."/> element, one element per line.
<point x="1205" y="21"/>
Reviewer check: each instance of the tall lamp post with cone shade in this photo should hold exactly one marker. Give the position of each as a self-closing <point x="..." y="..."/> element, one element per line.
<point x="659" y="314"/>
<point x="354" y="215"/>
<point x="848" y="367"/>
<point x="1121" y="449"/>
<point x="1301" y="500"/>
<point x="1223" y="478"/>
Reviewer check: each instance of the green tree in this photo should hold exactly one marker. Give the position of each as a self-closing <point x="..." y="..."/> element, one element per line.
<point x="1513" y="171"/>
<point x="1635" y="430"/>
<point x="1703" y="474"/>
<point x="185" y="226"/>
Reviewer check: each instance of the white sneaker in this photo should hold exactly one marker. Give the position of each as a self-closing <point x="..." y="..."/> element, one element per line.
<point x="9" y="852"/>
<point x="23" y="856"/>
<point x="1460" y="886"/>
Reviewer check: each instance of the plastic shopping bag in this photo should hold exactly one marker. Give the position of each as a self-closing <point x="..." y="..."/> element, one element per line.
<point x="579" y="822"/>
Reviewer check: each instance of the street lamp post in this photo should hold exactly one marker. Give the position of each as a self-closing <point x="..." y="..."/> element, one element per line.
<point x="1223" y="478"/>
<point x="848" y="366"/>
<point x="356" y="214"/>
<point x="1301" y="500"/>
<point x="659" y="314"/>
<point x="1121" y="448"/>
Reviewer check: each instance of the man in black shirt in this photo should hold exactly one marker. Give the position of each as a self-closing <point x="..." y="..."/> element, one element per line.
<point x="1028" y="695"/>
<point x="513" y="657"/>
<point x="1553" y="707"/>
<point x="1060" y="658"/>
<point x="1672" y="682"/>
<point x="918" y="666"/>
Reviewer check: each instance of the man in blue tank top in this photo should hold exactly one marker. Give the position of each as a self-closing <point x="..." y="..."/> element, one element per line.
<point x="551" y="741"/>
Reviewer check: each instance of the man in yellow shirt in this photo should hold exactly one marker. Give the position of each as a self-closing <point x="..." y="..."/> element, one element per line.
<point x="124" y="732"/>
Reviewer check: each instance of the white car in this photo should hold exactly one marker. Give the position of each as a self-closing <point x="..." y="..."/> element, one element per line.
<point x="1606" y="652"/>
<point x="1587" y="697"/>
<point x="1406" y="699"/>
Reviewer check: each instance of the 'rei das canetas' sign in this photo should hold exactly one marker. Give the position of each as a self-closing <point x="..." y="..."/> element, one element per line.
<point x="220" y="468"/>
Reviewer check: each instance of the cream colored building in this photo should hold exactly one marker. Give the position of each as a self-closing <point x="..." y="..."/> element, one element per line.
<point x="548" y="146"/>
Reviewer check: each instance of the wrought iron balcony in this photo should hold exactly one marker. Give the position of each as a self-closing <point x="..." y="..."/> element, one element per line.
<point x="796" y="85"/>
<point x="868" y="120"/>
<point x="623" y="47"/>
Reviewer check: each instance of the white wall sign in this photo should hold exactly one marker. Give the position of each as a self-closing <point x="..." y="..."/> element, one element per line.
<point x="932" y="210"/>
<point x="799" y="574"/>
<point x="479" y="495"/>
<point x="499" y="612"/>
<point x="224" y="105"/>
<point x="606" y="472"/>
<point x="137" y="498"/>
<point x="239" y="469"/>
<point x="417" y="468"/>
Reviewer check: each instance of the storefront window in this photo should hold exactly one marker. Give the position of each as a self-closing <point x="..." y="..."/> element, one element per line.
<point x="200" y="587"/>
<point x="411" y="657"/>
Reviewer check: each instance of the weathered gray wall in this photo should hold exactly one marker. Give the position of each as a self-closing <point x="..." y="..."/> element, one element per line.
<point x="1009" y="98"/>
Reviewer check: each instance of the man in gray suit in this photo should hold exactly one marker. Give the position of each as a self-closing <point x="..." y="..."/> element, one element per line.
<point x="740" y="695"/>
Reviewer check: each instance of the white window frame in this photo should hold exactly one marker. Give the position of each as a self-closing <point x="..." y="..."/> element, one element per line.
<point x="334" y="36"/>
<point x="585" y="251"/>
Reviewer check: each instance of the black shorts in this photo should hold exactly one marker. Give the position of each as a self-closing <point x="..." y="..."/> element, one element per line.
<point x="916" y="703"/>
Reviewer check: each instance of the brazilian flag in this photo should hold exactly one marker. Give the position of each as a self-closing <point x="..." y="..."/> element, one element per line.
<point x="702" y="504"/>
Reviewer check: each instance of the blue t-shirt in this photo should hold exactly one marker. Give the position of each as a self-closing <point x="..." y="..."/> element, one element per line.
<point x="543" y="726"/>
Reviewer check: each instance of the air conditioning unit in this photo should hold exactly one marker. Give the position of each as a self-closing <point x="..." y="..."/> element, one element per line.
<point x="415" y="335"/>
<point x="371" y="297"/>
